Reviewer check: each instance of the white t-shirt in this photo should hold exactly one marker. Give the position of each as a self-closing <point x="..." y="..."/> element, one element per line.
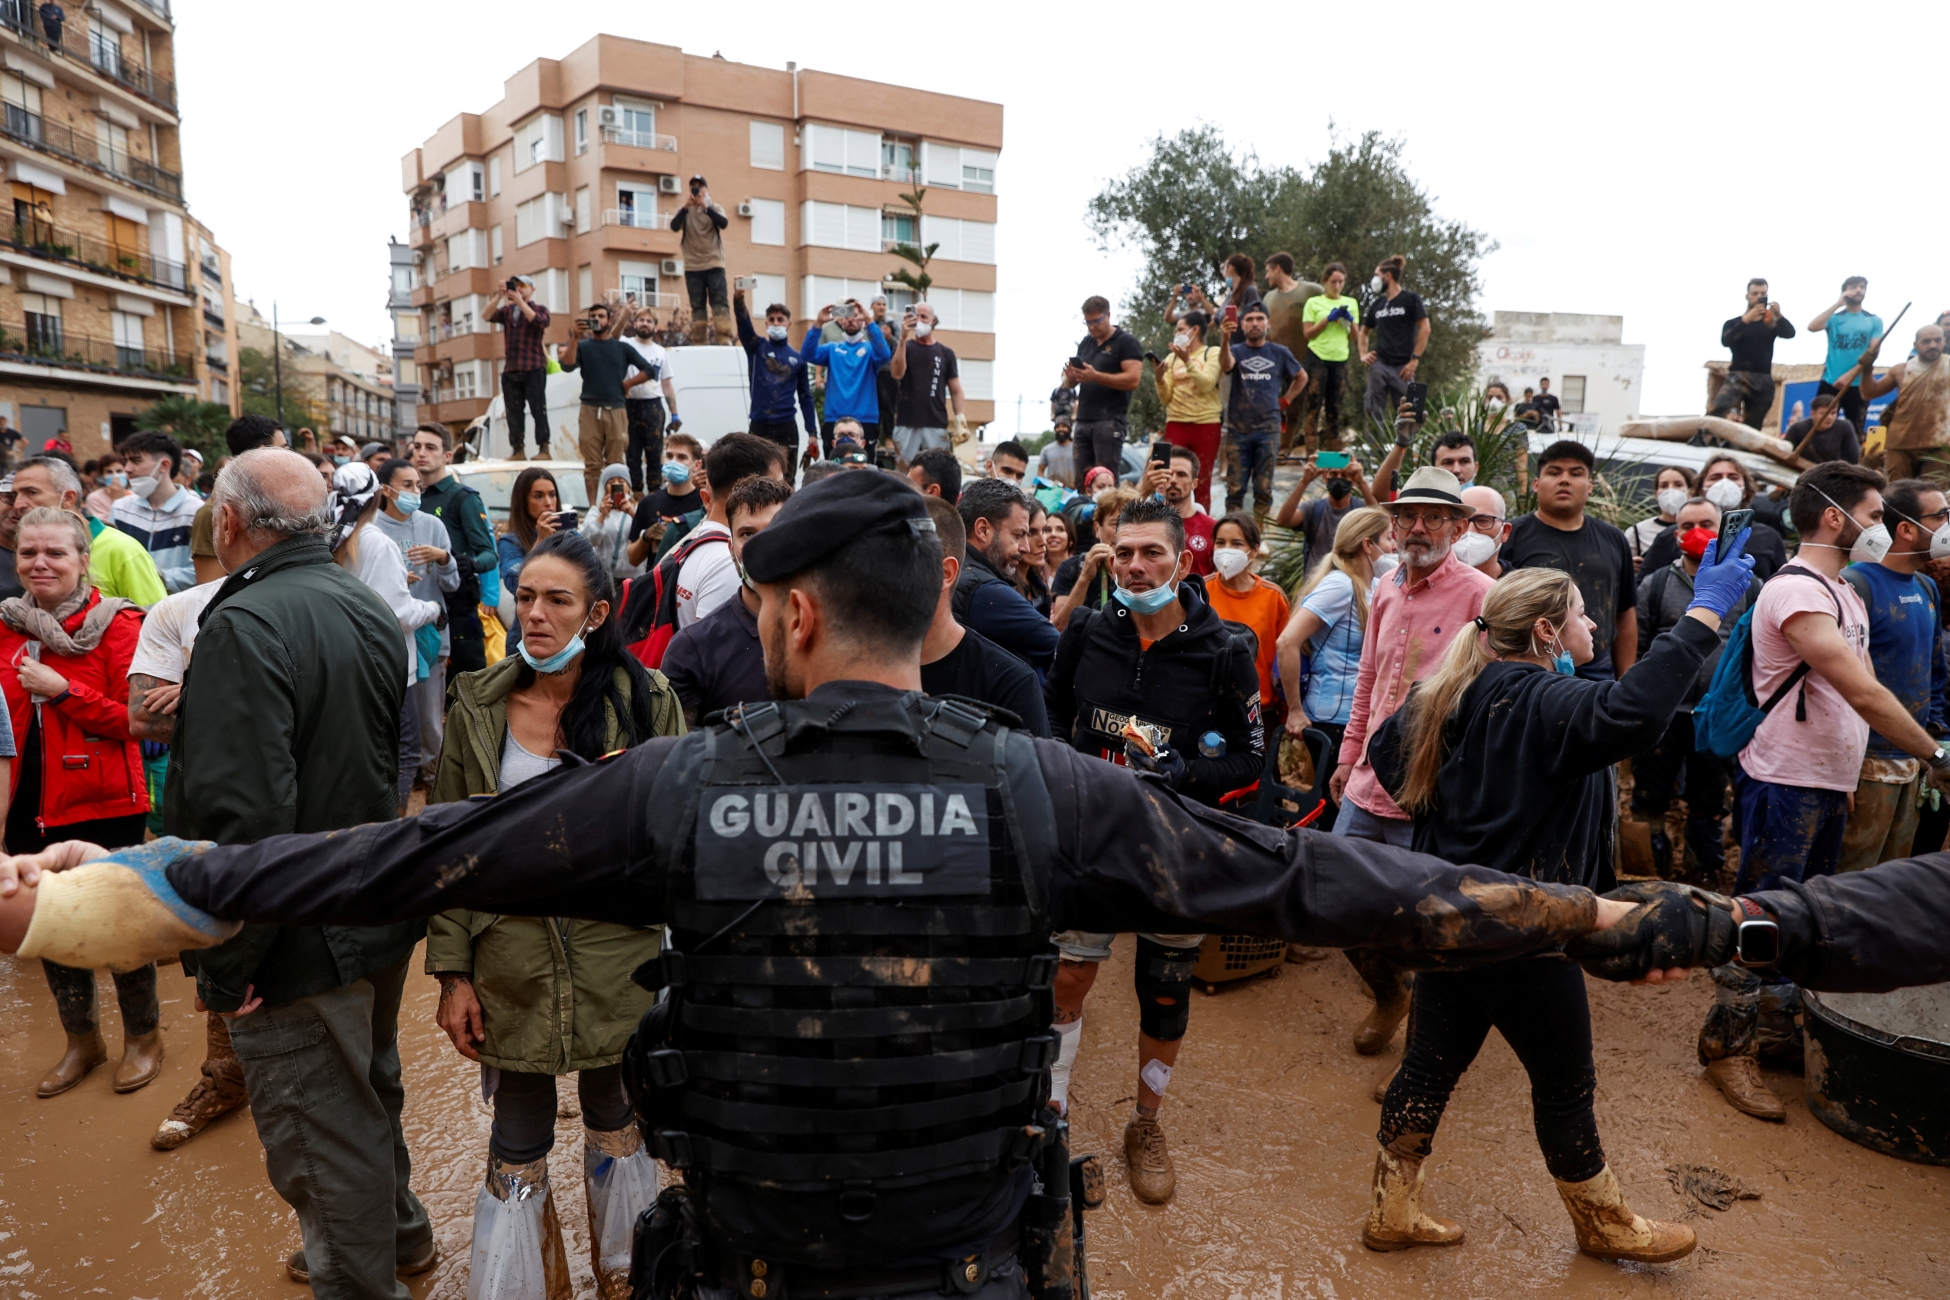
<point x="708" y="578"/>
<point x="656" y="361"/>
<point x="1825" y="752"/>
<point x="168" y="632"/>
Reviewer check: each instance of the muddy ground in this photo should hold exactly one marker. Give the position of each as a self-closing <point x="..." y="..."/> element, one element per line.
<point x="1269" y="1120"/>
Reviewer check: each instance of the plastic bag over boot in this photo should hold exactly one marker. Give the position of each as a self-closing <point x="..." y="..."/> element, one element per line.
<point x="518" y="1251"/>
<point x="620" y="1179"/>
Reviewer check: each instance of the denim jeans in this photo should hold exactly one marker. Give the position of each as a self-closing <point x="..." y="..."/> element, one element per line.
<point x="1748" y="390"/>
<point x="1252" y="461"/>
<point x="1386" y="389"/>
<point x="525" y="392"/>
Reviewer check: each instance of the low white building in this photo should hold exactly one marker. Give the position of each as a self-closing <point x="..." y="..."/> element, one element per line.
<point x="1594" y="373"/>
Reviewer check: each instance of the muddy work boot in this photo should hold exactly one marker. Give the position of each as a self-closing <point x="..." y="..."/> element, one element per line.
<point x="85" y="1052"/>
<point x="1607" y="1228"/>
<point x="142" y="1059"/>
<point x="217" y="1093"/>
<point x="1375" y="1032"/>
<point x="1738" y="1077"/>
<point x="1152" y="1176"/>
<point x="518" y="454"/>
<point x="1778" y="1037"/>
<point x="1397" y="1219"/>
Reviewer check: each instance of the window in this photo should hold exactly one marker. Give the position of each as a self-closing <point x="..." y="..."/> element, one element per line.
<point x="538" y="140"/>
<point x="402" y="279"/>
<point x="105" y="49"/>
<point x="768" y="221"/>
<point x="470" y="186"/>
<point x="978" y="171"/>
<point x="112" y="145"/>
<point x="465" y="250"/>
<point x="839" y="225"/>
<point x="582" y="131"/>
<point x="977" y="379"/>
<point x="898" y="300"/>
<point x="406" y="325"/>
<point x="23" y="103"/>
<point x="465" y="379"/>
<point x="220" y="392"/>
<point x="638" y="283"/>
<point x="768" y="146"/>
<point x="128" y="339"/>
<point x="1572" y="398"/>
<point x="900" y="160"/>
<point x="494" y="177"/>
<point x="960" y="241"/>
<point x="964" y="309"/>
<point x="43" y="317"/>
<point x="636" y="206"/>
<point x="836" y="149"/>
<point x="897" y="226"/>
<point x="582" y="210"/>
<point x="585" y="287"/>
<point x="768" y="290"/>
<point x="955" y="168"/>
<point x="817" y="291"/>
<point x="636" y="125"/>
<point x="540" y="218"/>
<point x="494" y="244"/>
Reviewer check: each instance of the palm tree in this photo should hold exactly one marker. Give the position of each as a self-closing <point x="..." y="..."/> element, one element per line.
<point x="195" y="423"/>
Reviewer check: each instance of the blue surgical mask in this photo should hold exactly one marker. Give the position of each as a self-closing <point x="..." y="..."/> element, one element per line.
<point x="556" y="662"/>
<point x="407" y="502"/>
<point x="341" y="460"/>
<point x="1564" y="665"/>
<point x="776" y="333"/>
<point x="1145" y="602"/>
<point x="676" y="473"/>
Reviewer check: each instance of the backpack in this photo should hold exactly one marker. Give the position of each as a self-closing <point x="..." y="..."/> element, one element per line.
<point x="649" y="617"/>
<point x="1727" y="716"/>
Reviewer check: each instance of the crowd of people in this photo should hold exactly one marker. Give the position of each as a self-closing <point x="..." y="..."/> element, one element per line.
<point x="1455" y="680"/>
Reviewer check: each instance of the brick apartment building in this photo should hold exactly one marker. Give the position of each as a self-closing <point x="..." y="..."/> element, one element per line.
<point x="573" y="177"/>
<point x="110" y="295"/>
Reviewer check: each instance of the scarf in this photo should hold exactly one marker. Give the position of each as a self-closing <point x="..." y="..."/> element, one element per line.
<point x="25" y="617"/>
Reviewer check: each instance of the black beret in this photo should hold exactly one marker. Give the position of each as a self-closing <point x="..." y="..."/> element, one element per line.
<point x="822" y="518"/>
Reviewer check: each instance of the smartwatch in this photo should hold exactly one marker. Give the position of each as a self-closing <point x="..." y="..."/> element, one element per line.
<point x="1756" y="937"/>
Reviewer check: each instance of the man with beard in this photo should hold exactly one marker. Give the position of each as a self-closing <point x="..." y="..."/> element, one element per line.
<point x="1417" y="609"/>
<point x="1850" y="330"/>
<point x="851" y="363"/>
<point x="1918" y="421"/>
<point x="996" y="515"/>
<point x="646" y="408"/>
<point x="1177" y="484"/>
<point x="1266" y="377"/>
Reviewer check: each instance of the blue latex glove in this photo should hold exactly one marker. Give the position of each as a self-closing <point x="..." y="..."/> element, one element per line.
<point x="1167" y="763"/>
<point x="1720" y="584"/>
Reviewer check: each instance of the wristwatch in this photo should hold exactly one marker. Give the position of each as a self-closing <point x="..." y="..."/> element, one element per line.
<point x="1756" y="937"/>
<point x="1940" y="759"/>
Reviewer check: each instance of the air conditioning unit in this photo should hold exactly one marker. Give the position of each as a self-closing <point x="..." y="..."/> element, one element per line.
<point x="671" y="266"/>
<point x="745" y="208"/>
<point x="669" y="185"/>
<point x="608" y="115"/>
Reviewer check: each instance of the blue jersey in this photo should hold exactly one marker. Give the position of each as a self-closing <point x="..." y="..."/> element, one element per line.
<point x="850" y="369"/>
<point x="1848" y="333"/>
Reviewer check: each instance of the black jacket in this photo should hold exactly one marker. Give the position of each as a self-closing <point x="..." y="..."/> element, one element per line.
<point x="289" y="722"/>
<point x="1765" y="544"/>
<point x="1524" y="788"/>
<point x="1664" y="595"/>
<point x="1199" y="678"/>
<point x="990" y="604"/>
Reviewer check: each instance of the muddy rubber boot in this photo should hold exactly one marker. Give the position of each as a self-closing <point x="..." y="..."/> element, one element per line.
<point x="1375" y="1032"/>
<point x="1382" y="1080"/>
<point x="1152" y="1177"/>
<point x="722" y="330"/>
<point x="1607" y="1228"/>
<point x="1738" y="1077"/>
<point x="142" y="1059"/>
<point x="1397" y="1219"/>
<point x="700" y="329"/>
<point x="217" y="1093"/>
<point x="518" y="454"/>
<point x="85" y="1052"/>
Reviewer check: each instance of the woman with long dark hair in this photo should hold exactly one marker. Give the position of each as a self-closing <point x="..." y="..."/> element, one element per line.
<point x="1500" y="757"/>
<point x="534" y="512"/>
<point x="533" y="998"/>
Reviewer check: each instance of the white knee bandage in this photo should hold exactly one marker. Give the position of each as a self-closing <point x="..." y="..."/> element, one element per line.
<point x="1067" y="1039"/>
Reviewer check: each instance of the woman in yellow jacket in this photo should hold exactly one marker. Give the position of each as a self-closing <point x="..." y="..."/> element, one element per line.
<point x="1188" y="384"/>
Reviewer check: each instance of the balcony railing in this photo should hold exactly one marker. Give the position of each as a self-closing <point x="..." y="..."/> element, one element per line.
<point x="55" y="244"/>
<point x="635" y="218"/>
<point x="634" y="138"/>
<point x="99" y="47"/>
<point x="41" y="340"/>
<point x="63" y="141"/>
<point x="631" y="298"/>
<point x="212" y="270"/>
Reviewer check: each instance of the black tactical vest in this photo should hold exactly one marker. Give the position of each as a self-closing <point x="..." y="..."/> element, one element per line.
<point x="855" y="1052"/>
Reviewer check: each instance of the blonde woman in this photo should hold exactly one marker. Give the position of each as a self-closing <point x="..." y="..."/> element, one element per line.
<point x="1500" y="758"/>
<point x="1329" y="620"/>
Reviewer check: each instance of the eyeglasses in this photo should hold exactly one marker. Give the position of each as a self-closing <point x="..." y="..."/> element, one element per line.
<point x="1484" y="523"/>
<point x="1094" y="321"/>
<point x="1409" y="516"/>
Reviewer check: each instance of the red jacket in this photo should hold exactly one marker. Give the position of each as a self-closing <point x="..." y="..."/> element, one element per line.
<point x="90" y="766"/>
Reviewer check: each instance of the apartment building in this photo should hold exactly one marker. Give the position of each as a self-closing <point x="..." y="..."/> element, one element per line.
<point x="106" y="303"/>
<point x="573" y="178"/>
<point x="332" y="382"/>
<point x="406" y="337"/>
<point x="213" y="361"/>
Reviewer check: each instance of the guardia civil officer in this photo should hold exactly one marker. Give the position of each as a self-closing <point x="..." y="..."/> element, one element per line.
<point x="851" y="1067"/>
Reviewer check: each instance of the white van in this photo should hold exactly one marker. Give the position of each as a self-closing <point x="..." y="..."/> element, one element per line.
<point x="713" y="388"/>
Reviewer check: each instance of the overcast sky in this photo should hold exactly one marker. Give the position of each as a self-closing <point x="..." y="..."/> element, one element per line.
<point x="1637" y="160"/>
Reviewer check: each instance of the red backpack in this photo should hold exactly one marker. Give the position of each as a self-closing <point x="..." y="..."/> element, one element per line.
<point x="649" y="617"/>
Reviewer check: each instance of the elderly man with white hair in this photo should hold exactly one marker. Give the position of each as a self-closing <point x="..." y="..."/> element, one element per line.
<point x="289" y="721"/>
<point x="927" y="383"/>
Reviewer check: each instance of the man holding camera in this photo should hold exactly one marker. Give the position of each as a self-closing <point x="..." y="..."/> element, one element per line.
<point x="701" y="222"/>
<point x="926" y="384"/>
<point x="603" y="431"/>
<point x="1749" y="340"/>
<point x="524" y="370"/>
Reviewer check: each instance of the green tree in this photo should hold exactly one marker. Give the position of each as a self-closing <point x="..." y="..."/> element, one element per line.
<point x="1196" y="202"/>
<point x="919" y="280"/>
<point x="193" y="422"/>
<point x="257" y="381"/>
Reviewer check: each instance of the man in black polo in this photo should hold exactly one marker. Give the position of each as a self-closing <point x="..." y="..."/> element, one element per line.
<point x="1106" y="370"/>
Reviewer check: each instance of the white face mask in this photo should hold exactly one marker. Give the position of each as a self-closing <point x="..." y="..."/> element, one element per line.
<point x="1671" y="501"/>
<point x="1871" y="546"/>
<point x="1494" y="404"/>
<point x="776" y="333"/>
<point x="1231" y="561"/>
<point x="145" y="487"/>
<point x="1385" y="564"/>
<point x="1376" y="285"/>
<point x="1182" y="339"/>
<point x="1474" y="548"/>
<point x="1725" y="493"/>
<point x="923" y="328"/>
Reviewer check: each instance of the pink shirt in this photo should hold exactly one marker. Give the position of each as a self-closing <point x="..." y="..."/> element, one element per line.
<point x="1826" y="751"/>
<point x="1409" y="630"/>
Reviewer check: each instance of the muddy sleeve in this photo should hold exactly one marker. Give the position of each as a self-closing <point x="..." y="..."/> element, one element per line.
<point x="1866" y="931"/>
<point x="572" y="843"/>
<point x="1133" y="855"/>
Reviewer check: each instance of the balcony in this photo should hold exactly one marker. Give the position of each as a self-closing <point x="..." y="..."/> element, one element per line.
<point x="626" y="136"/>
<point x="631" y="298"/>
<point x="211" y="270"/>
<point x="42" y="341"/>
<point x="52" y="243"/>
<point x="64" y="141"/>
<point x="212" y="316"/>
<point x="636" y="219"/>
<point x="99" y="47"/>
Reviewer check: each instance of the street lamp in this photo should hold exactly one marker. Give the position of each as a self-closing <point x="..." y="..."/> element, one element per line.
<point x="277" y="354"/>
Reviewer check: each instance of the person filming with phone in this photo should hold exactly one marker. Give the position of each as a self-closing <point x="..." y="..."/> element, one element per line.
<point x="1749" y="338"/>
<point x="524" y="373"/>
<point x="1106" y="370"/>
<point x="1393" y="338"/>
<point x="701" y="222"/>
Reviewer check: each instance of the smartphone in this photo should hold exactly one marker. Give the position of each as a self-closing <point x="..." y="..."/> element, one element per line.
<point x="745" y="283"/>
<point x="887" y="460"/>
<point x="1161" y="452"/>
<point x="1151" y="356"/>
<point x="1332" y="460"/>
<point x="567" y="519"/>
<point x="1232" y="313"/>
<point x="513" y="284"/>
<point x="1077" y="363"/>
<point x="1418" y="397"/>
<point x="1185" y="290"/>
<point x="1731" y="524"/>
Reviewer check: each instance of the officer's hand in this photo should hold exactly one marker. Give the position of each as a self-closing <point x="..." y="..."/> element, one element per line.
<point x="460" y="1015"/>
<point x="1167" y="763"/>
<point x="1337" y="784"/>
<point x="1673" y="926"/>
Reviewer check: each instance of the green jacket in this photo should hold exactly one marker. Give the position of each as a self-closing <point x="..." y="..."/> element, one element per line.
<point x="289" y="721"/>
<point x="556" y="994"/>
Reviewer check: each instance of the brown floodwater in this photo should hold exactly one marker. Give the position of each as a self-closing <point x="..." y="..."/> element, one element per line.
<point x="1269" y="1119"/>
